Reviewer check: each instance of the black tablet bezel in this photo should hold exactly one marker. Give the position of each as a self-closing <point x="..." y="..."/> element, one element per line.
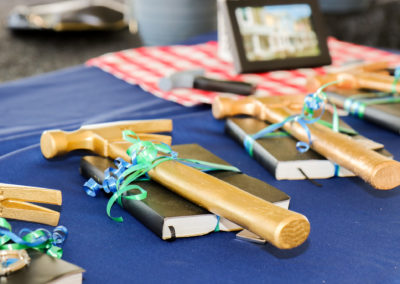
<point x="243" y="65"/>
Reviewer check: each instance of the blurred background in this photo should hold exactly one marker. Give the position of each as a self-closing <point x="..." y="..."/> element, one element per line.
<point x="25" y="53"/>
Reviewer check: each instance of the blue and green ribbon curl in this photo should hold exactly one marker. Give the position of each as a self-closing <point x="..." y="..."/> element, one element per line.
<point x="39" y="239"/>
<point x="145" y="155"/>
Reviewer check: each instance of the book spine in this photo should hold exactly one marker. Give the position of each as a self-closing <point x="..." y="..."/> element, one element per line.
<point x="136" y="208"/>
<point x="260" y="154"/>
<point x="371" y="113"/>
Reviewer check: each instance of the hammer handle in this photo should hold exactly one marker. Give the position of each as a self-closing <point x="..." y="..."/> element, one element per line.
<point x="235" y="87"/>
<point x="283" y="228"/>
<point x="365" y="80"/>
<point x="381" y="172"/>
<point x="374" y="81"/>
<point x="314" y="82"/>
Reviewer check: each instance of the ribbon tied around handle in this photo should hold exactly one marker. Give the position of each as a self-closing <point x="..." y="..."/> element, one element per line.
<point x="145" y="155"/>
<point x="312" y="103"/>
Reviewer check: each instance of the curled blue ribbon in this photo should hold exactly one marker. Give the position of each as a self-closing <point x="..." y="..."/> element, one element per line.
<point x="36" y="240"/>
<point x="59" y="235"/>
<point x="110" y="181"/>
<point x="111" y="175"/>
<point x="39" y="239"/>
<point x="91" y="187"/>
<point x="396" y="79"/>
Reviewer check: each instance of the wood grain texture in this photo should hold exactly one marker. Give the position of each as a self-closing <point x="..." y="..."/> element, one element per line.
<point x="370" y="75"/>
<point x="14" y="203"/>
<point x="281" y="227"/>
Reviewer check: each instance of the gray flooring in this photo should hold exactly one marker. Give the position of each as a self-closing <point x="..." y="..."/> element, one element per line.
<point x="27" y="54"/>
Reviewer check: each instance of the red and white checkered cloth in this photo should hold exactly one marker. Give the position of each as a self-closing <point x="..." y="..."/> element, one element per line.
<point x="145" y="66"/>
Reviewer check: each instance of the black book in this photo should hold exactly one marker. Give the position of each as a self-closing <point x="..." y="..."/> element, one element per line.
<point x="280" y="156"/>
<point x="45" y="269"/>
<point x="386" y="115"/>
<point x="171" y="216"/>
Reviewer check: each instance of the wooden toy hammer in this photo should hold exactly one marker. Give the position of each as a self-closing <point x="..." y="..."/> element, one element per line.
<point x="378" y="170"/>
<point x="281" y="227"/>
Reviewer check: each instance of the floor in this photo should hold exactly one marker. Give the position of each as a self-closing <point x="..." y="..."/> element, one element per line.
<point x="26" y="54"/>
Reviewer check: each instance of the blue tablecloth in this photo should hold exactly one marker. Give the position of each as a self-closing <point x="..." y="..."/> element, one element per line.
<point x="355" y="229"/>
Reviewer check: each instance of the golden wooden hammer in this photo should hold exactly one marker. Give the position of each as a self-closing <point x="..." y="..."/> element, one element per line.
<point x="361" y="76"/>
<point x="283" y="228"/>
<point x="378" y="170"/>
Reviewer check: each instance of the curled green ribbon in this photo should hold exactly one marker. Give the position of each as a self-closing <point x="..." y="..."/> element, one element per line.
<point x="40" y="239"/>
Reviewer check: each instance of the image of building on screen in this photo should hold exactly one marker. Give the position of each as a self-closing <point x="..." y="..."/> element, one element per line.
<point x="277" y="32"/>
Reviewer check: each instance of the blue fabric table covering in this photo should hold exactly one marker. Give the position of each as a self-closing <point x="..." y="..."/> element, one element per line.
<point x="355" y="229"/>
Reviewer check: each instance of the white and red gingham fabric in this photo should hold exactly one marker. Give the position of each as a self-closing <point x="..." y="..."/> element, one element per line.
<point x="145" y="66"/>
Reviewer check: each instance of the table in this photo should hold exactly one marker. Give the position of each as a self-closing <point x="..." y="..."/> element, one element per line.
<point x="355" y="229"/>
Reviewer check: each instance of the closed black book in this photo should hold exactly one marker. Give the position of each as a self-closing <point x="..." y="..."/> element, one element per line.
<point x="278" y="154"/>
<point x="171" y="216"/>
<point x="386" y="115"/>
<point x="45" y="269"/>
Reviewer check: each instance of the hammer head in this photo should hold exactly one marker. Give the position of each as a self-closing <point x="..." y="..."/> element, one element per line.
<point x="180" y="79"/>
<point x="98" y="137"/>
